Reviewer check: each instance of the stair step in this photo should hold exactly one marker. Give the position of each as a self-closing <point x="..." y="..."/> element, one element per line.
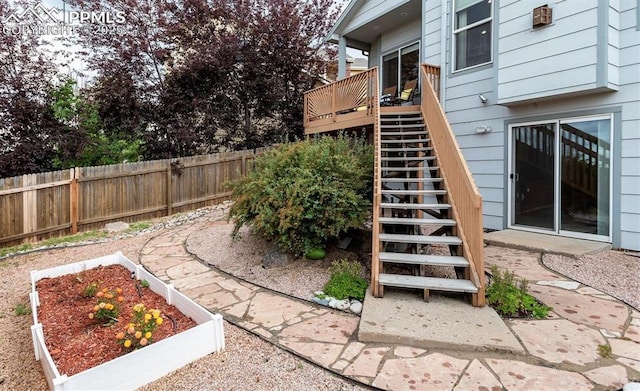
<point x="432" y="283"/>
<point x="411" y="180"/>
<point x="409" y="168"/>
<point x="419" y="259"/>
<point x="401" y="114"/>
<point x="402" y="205"/>
<point x="414" y="192"/>
<point x="421" y="239"/>
<point x="420" y="149"/>
<point x="403" y="158"/>
<point x="414" y="221"/>
<point x="411" y="141"/>
<point x="400" y="132"/>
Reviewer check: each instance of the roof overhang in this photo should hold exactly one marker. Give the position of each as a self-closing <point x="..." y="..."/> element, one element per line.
<point x="362" y="35"/>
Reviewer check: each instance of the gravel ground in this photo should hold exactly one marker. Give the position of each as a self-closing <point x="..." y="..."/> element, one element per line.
<point x="616" y="273"/>
<point x="248" y="362"/>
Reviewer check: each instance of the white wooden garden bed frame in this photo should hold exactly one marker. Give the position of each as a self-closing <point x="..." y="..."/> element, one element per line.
<point x="141" y="366"/>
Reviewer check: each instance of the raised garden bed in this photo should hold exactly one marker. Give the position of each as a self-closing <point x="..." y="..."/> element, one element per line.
<point x="191" y="332"/>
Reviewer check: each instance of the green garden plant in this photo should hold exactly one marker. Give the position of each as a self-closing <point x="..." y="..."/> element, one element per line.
<point x="345" y="281"/>
<point x="300" y="195"/>
<point x="509" y="297"/>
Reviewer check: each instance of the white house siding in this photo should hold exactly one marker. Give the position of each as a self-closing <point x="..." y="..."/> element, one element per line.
<point x="571" y="55"/>
<point x="370" y="10"/>
<point x="401" y="36"/>
<point x="486" y="154"/>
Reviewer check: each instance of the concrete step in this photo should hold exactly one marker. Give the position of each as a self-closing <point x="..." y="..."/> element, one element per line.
<point x="414" y="221"/>
<point x="414" y="192"/>
<point x="411" y="180"/>
<point x="431" y="283"/>
<point x="421" y="239"/>
<point x="419" y="259"/>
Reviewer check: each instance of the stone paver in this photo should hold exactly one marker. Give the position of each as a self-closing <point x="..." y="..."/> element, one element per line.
<point x="367" y="362"/>
<point x="614" y="376"/>
<point x="559" y="340"/>
<point x="521" y="262"/>
<point x="519" y="376"/>
<point x="583" y="309"/>
<point x="628" y="349"/>
<point x="568" y="339"/>
<point x="478" y="377"/>
<point x="433" y="372"/>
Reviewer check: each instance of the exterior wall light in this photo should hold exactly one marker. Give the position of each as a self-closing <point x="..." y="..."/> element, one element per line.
<point x="483" y="98"/>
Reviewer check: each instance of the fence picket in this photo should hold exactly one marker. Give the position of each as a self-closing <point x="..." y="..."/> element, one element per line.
<point x="38" y="206"/>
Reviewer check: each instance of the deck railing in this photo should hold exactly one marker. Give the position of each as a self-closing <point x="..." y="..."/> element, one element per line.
<point x="463" y="194"/>
<point x="377" y="189"/>
<point x="344" y="104"/>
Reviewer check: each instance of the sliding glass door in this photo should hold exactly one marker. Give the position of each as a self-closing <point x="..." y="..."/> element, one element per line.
<point x="400" y="66"/>
<point x="560" y="177"/>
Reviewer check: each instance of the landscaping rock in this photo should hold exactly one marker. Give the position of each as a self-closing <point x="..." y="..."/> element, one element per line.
<point x="276" y="258"/>
<point x="342" y="304"/>
<point x="318" y="293"/>
<point x="356" y="307"/>
<point x="332" y="302"/>
<point x="320" y="301"/>
<point x="117" y="226"/>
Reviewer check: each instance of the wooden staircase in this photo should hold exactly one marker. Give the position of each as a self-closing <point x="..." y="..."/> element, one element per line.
<point x="424" y="195"/>
<point x="414" y="214"/>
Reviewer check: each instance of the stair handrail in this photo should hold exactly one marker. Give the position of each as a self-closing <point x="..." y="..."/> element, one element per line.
<point x="463" y="194"/>
<point x="377" y="184"/>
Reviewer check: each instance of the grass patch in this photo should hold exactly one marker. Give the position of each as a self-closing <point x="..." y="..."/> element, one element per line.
<point x="14" y="249"/>
<point x="21" y="309"/>
<point x="345" y="282"/>
<point x="133" y="227"/>
<point x="604" y="351"/>
<point x="509" y="296"/>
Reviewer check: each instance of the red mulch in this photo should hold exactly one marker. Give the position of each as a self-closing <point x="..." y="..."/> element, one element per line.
<point x="77" y="343"/>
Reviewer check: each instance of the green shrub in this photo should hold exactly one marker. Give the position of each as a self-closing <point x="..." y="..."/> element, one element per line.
<point x="299" y="195"/>
<point x="345" y="282"/>
<point x="509" y="296"/>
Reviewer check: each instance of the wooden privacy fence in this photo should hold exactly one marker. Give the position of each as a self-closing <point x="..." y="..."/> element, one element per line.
<point x="37" y="206"/>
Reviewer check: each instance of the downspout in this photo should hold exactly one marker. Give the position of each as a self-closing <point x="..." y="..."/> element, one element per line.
<point x="443" y="55"/>
<point x="342" y="57"/>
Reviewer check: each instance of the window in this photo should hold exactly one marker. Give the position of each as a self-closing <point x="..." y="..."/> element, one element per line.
<point x="472" y="33"/>
<point x="401" y="66"/>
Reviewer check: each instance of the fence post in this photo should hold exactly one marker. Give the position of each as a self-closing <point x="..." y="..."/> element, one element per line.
<point x="74" y="173"/>
<point x="169" y="189"/>
<point x="29" y="206"/>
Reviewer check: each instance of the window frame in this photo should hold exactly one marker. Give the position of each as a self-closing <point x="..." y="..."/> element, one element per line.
<point x="398" y="52"/>
<point x="455" y="32"/>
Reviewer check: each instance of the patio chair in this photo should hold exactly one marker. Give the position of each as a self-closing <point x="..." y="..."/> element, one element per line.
<point x="388" y="96"/>
<point x="407" y="92"/>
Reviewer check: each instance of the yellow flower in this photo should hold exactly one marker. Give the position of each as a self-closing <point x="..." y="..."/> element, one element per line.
<point x="156" y="314"/>
<point x="159" y="321"/>
<point x="127" y="343"/>
<point x="109" y="306"/>
<point x="138" y="307"/>
<point x="147" y="317"/>
<point x="143" y="342"/>
<point x="91" y="315"/>
<point x="102" y="305"/>
<point x="118" y="290"/>
<point x="138" y="334"/>
<point x="131" y="330"/>
<point x="120" y="335"/>
<point x="147" y="335"/>
<point x="96" y="308"/>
